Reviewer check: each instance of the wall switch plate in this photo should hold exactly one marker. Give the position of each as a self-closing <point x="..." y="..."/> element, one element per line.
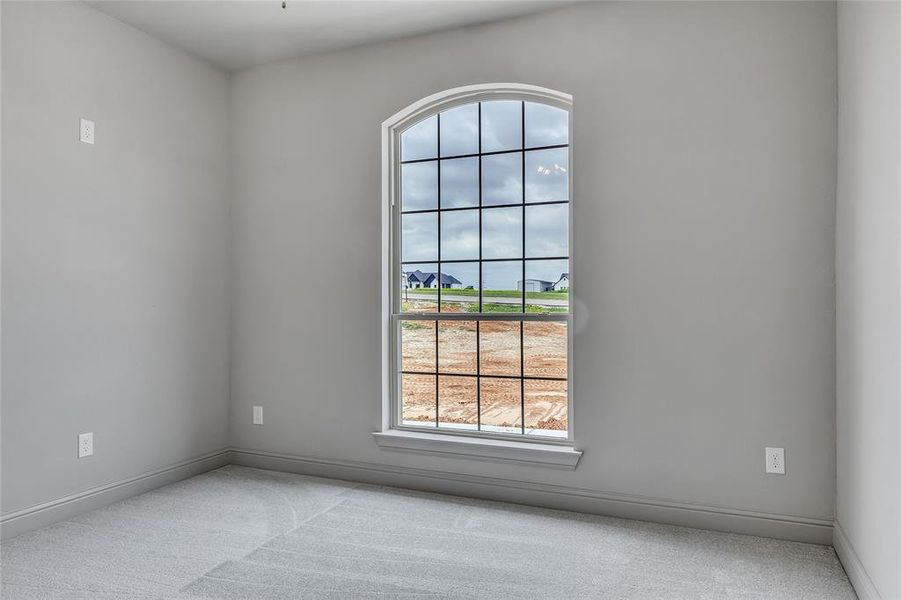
<point x="257" y="415"/>
<point x="775" y="461"/>
<point x="86" y="131"/>
<point x="85" y="444"/>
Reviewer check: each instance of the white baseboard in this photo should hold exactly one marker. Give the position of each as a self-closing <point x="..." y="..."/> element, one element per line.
<point x="858" y="575"/>
<point x="41" y="515"/>
<point x="803" y="529"/>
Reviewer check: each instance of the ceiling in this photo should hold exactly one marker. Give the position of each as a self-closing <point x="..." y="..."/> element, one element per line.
<point x="235" y="34"/>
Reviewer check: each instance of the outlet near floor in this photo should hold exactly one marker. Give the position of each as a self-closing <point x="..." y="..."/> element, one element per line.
<point x="85" y="444"/>
<point x="775" y="461"/>
<point x="86" y="131"/>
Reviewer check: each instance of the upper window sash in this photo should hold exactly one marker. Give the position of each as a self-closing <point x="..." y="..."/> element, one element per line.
<point x="431" y="215"/>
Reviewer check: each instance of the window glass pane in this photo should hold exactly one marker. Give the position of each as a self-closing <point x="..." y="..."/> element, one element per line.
<point x="547" y="230"/>
<point x="546" y="125"/>
<point x="460" y="130"/>
<point x="458" y="405"/>
<point x="501" y="402"/>
<point x="418" y="393"/>
<point x="460" y="182"/>
<point x="544" y="349"/>
<point x="420" y="140"/>
<point x="502" y="179"/>
<point x="457" y="351"/>
<point x="502" y="233"/>
<point x="547" y="175"/>
<point x="460" y="287"/>
<point x="547" y="286"/>
<point x="416" y="293"/>
<point x="501" y="291"/>
<point x="484" y="226"/>
<point x="419" y="186"/>
<point x="419" y="237"/>
<point x="545" y="407"/>
<point x="460" y="235"/>
<point x="501" y="125"/>
<point x="499" y="348"/>
<point x="418" y="346"/>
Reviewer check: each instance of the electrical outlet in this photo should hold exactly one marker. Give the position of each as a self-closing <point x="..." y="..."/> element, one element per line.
<point x="85" y="444"/>
<point x="257" y="415"/>
<point x="775" y="461"/>
<point x="86" y="131"/>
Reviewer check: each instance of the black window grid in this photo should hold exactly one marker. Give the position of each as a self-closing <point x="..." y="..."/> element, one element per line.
<point x="480" y="153"/>
<point x="522" y="377"/>
<point x="481" y="207"/>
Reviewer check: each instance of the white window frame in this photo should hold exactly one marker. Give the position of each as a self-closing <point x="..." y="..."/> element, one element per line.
<point x="391" y="427"/>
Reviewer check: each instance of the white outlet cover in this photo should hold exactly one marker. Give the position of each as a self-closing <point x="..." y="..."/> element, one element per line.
<point x="85" y="444"/>
<point x="775" y="461"/>
<point x="86" y="131"/>
<point x="257" y="415"/>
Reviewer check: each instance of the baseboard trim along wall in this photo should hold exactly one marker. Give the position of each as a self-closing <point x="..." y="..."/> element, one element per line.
<point x="41" y="515"/>
<point x="858" y="575"/>
<point x="802" y="529"/>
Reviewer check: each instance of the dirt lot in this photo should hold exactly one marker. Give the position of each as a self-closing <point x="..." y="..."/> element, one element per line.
<point x="543" y="355"/>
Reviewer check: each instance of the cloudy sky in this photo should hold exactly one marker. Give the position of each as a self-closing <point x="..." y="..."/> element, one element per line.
<point x="501" y="130"/>
<point x="546" y="180"/>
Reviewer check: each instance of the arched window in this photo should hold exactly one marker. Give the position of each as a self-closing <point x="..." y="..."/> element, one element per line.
<point x="477" y="276"/>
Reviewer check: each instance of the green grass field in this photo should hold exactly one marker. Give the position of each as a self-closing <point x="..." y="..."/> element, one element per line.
<point x="515" y="308"/>
<point x="490" y="307"/>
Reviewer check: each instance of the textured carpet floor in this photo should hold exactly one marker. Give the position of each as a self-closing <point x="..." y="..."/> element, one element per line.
<point x="250" y="534"/>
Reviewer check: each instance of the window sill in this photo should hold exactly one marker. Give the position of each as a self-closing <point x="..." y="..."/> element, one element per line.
<point x="527" y="453"/>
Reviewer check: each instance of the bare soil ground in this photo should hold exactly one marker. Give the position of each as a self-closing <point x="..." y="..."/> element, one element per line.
<point x="543" y="355"/>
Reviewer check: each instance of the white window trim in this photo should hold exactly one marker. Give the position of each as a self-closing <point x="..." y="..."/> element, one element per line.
<point x="524" y="452"/>
<point x="518" y="447"/>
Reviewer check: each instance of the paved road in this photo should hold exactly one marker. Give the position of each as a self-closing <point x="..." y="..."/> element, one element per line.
<point x="450" y="297"/>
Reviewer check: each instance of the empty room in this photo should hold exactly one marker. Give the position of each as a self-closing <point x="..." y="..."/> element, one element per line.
<point x="427" y="299"/>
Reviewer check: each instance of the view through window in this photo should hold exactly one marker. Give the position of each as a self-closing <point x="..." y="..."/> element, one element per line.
<point x="482" y="302"/>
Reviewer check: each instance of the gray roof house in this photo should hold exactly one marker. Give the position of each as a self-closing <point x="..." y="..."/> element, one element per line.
<point x="420" y="279"/>
<point x="448" y="280"/>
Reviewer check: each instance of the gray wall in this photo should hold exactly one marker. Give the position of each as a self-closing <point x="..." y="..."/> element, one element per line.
<point x="704" y="220"/>
<point x="115" y="269"/>
<point x="705" y="166"/>
<point x="868" y="305"/>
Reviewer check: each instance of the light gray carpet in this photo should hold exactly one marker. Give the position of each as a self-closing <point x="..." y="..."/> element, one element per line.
<point x="250" y="534"/>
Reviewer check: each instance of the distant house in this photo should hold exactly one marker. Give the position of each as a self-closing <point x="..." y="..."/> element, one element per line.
<point x="448" y="282"/>
<point x="562" y="284"/>
<point x="419" y="279"/>
<point x="536" y="285"/>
